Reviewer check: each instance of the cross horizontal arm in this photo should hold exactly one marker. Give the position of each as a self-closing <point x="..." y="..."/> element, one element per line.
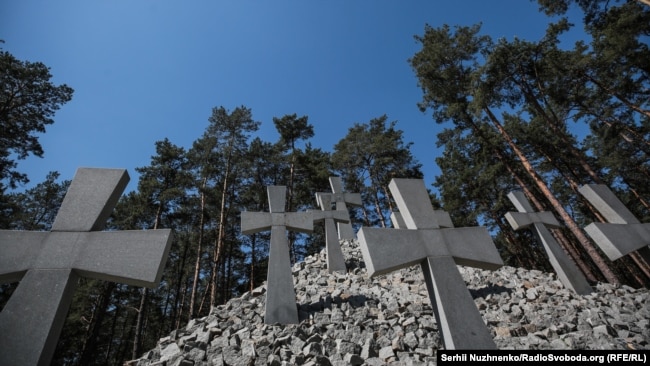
<point x="386" y="250"/>
<point x="472" y="246"/>
<point x="336" y="215"/>
<point x="617" y="240"/>
<point x="254" y="222"/>
<point x="300" y="221"/>
<point x="18" y="252"/>
<point x="132" y="257"/>
<point x="351" y="198"/>
<point x="522" y="220"/>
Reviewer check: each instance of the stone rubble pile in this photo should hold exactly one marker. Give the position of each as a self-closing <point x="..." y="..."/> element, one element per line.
<point x="349" y="319"/>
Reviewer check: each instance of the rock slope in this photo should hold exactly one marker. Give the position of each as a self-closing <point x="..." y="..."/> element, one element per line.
<point x="349" y="319"/>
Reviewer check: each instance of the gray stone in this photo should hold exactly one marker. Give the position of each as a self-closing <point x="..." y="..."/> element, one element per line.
<point x="438" y="250"/>
<point x="170" y="352"/>
<point x="394" y="310"/>
<point x="564" y="267"/>
<point x="386" y="353"/>
<point x="48" y="264"/>
<point x="623" y="233"/>
<point x="335" y="260"/>
<point x="352" y="359"/>
<point x="280" y="296"/>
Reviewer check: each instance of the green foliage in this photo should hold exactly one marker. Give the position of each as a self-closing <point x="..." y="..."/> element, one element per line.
<point x="367" y="158"/>
<point x="28" y="101"/>
<point x="511" y="101"/>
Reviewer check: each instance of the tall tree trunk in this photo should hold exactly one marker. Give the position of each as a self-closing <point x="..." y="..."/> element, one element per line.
<point x="364" y="213"/>
<point x="562" y="240"/>
<point x="291" y="234"/>
<point x="541" y="185"/>
<point x="380" y="215"/>
<point x="222" y="230"/>
<point x="143" y="300"/>
<point x="555" y="125"/>
<point x="109" y="349"/>
<point x="89" y="348"/>
<point x="139" y="324"/>
<point x="253" y="262"/>
<point x="180" y="312"/>
<point x="180" y="288"/>
<point x="199" y="252"/>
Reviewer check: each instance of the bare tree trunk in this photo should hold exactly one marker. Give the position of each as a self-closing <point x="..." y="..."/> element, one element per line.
<point x="143" y="301"/>
<point x="553" y="123"/>
<point x="541" y="185"/>
<point x="139" y="324"/>
<point x="562" y="240"/>
<point x="199" y="252"/>
<point x="89" y="349"/>
<point x="378" y="210"/>
<point x="253" y="262"/>
<point x="222" y="232"/>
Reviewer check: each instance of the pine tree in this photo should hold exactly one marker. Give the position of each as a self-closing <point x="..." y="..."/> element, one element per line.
<point x="367" y="158"/>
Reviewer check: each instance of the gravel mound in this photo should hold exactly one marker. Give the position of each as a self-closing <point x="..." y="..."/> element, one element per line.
<point x="349" y="319"/>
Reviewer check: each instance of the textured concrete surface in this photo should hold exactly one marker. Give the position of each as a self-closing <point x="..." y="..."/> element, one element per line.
<point x="567" y="271"/>
<point x="48" y="265"/>
<point x="438" y="248"/>
<point x="329" y="217"/>
<point x="281" y="296"/>
<point x="341" y="198"/>
<point x="623" y="233"/>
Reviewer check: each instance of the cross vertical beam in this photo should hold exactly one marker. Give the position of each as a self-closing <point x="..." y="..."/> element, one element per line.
<point x="438" y="250"/>
<point x="335" y="260"/>
<point x="624" y="233"/>
<point x="568" y="273"/>
<point x="48" y="264"/>
<point x="280" y="293"/>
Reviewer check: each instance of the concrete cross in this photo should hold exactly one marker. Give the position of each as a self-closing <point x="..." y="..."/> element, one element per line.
<point x="564" y="267"/>
<point x="335" y="260"/>
<point x="442" y="218"/>
<point x="438" y="251"/>
<point x="624" y="233"/>
<point x="49" y="264"/>
<point x="341" y="198"/>
<point x="280" y="294"/>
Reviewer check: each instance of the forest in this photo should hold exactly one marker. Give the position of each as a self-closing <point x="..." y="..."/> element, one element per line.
<point x="508" y="107"/>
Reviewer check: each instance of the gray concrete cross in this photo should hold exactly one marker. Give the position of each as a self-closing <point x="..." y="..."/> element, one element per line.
<point x="438" y="251"/>
<point x="566" y="270"/>
<point x="624" y="233"/>
<point x="49" y="264"/>
<point x="341" y="198"/>
<point x="335" y="260"/>
<point x="280" y="293"/>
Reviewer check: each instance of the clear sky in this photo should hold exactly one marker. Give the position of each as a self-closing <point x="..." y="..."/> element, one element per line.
<point x="143" y="70"/>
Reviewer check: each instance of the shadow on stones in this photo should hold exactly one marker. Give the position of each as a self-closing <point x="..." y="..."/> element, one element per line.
<point x="490" y="289"/>
<point x="306" y="310"/>
<point x="354" y="263"/>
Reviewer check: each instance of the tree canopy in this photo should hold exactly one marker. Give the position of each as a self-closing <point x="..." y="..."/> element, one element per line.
<point x="28" y="102"/>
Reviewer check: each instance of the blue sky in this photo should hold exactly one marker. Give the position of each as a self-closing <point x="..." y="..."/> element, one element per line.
<point x="143" y="70"/>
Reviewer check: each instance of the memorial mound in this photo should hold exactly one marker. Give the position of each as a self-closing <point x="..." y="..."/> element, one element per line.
<point x="350" y="319"/>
